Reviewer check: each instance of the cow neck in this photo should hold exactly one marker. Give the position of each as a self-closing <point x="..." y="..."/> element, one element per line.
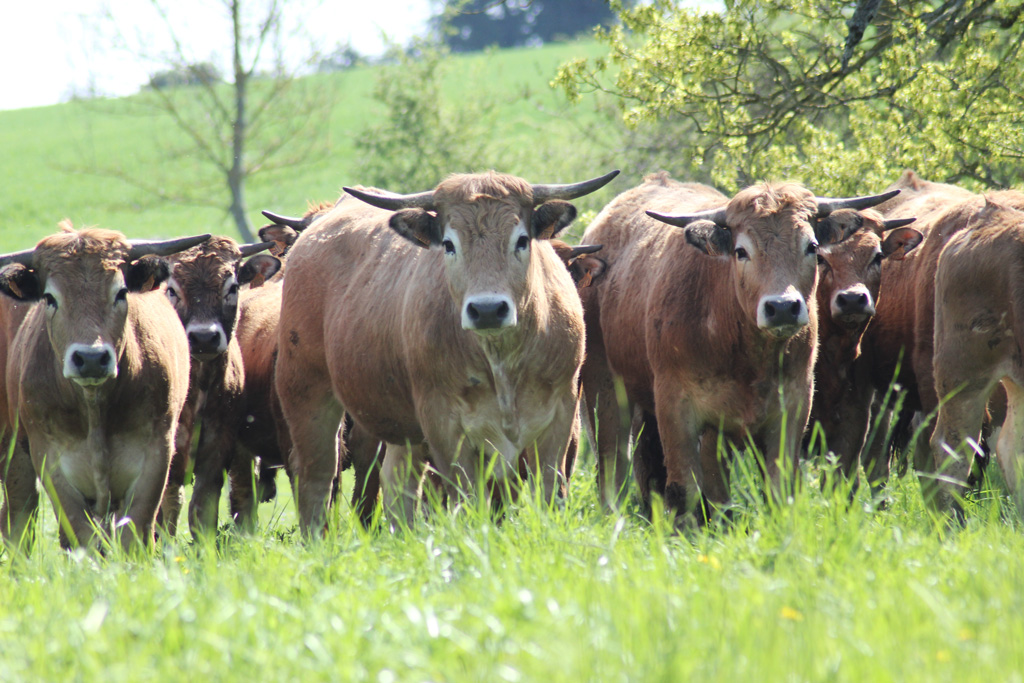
<point x="96" y="404"/>
<point x="842" y="344"/>
<point x="501" y="352"/>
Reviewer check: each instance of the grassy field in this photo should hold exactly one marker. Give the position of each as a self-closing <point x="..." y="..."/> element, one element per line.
<point x="817" y="590"/>
<point x="47" y="151"/>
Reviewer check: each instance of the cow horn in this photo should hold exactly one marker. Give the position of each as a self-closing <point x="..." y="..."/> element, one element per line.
<point x="142" y="248"/>
<point x="896" y="223"/>
<point x="827" y="205"/>
<point x="395" y="202"/>
<point x="543" y="193"/>
<point x="586" y="249"/>
<point x="254" y="248"/>
<point x="297" y="224"/>
<point x="716" y="216"/>
<point x="22" y="257"/>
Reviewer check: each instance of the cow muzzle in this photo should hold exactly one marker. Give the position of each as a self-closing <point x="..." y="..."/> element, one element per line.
<point x="206" y="341"/>
<point x="852" y="307"/>
<point x="90" y="364"/>
<point x="488" y="313"/>
<point x="782" y="315"/>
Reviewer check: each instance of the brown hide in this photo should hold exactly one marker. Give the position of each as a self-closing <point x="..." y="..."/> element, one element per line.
<point x="848" y="292"/>
<point x="978" y="333"/>
<point x="904" y="321"/>
<point x="103" y="445"/>
<point x="680" y="328"/>
<point x="204" y="288"/>
<point x="408" y="371"/>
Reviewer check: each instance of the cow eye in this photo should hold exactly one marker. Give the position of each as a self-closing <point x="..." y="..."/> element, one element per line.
<point x="522" y="243"/>
<point x="233" y="289"/>
<point x="50" y="300"/>
<point x="122" y="295"/>
<point x="172" y="294"/>
<point x="812" y="249"/>
<point x="449" y="247"/>
<point x="877" y="261"/>
<point x="741" y="254"/>
<point x="824" y="265"/>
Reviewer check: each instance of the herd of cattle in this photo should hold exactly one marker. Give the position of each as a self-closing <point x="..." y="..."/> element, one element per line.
<point x="447" y="339"/>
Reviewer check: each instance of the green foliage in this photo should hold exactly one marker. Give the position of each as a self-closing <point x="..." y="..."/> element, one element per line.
<point x="776" y="89"/>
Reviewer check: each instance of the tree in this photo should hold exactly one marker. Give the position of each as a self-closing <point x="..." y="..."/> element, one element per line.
<point x="469" y="25"/>
<point x="840" y="95"/>
<point x="260" y="118"/>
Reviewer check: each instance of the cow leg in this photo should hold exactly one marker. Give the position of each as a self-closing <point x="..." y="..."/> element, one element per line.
<point x="606" y="425"/>
<point x="244" y="481"/>
<point x="143" y="498"/>
<point x="212" y="457"/>
<point x="174" y="494"/>
<point x="1010" y="448"/>
<point x="401" y="479"/>
<point x="716" y="480"/>
<point x="365" y="454"/>
<point x="960" y="417"/>
<point x="648" y="457"/>
<point x="21" y="499"/>
<point x="77" y="525"/>
<point x="782" y="442"/>
<point x="677" y="429"/>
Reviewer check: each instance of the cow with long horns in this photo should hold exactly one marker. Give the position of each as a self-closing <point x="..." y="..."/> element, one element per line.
<point x="204" y="288"/>
<point x="97" y="375"/>
<point x="710" y="321"/>
<point x="443" y="325"/>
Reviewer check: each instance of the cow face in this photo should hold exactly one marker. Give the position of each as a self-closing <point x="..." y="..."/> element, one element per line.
<point x="83" y="278"/>
<point x="487" y="227"/>
<point x="773" y="248"/>
<point x="203" y="288"/>
<point x="851" y="270"/>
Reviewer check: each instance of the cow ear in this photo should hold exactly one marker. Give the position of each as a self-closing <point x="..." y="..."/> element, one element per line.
<point x="21" y="283"/>
<point x="709" y="237"/>
<point x="258" y="270"/>
<point x="281" y="235"/>
<point x="900" y="242"/>
<point x="550" y="218"/>
<point x="416" y="225"/>
<point x="586" y="269"/>
<point x="146" y="274"/>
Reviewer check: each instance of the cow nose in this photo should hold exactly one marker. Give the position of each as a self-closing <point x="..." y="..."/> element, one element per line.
<point x="783" y="314"/>
<point x="852" y="302"/>
<point x="488" y="313"/>
<point x="89" y="364"/>
<point x="205" y="340"/>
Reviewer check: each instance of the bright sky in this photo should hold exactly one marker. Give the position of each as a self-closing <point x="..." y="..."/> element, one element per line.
<point x="50" y="49"/>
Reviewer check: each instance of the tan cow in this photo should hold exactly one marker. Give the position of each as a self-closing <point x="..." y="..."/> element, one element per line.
<point x="440" y="323"/>
<point x="848" y="291"/>
<point x="979" y="330"/>
<point x="904" y="322"/>
<point x="204" y="288"/>
<point x="97" y="375"/>
<point x="710" y="327"/>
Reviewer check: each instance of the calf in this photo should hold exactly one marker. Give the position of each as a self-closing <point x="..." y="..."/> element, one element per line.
<point x="204" y="289"/>
<point x="711" y="328"/>
<point x="470" y="336"/>
<point x="848" y="291"/>
<point x="97" y="376"/>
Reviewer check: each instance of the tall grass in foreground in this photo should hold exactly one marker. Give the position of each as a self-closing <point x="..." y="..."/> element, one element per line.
<point x="820" y="589"/>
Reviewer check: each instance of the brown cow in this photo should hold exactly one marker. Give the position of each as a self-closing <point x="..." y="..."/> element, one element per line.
<point x="904" y="322"/>
<point x="444" y="325"/>
<point x="710" y="328"/>
<point x="204" y="289"/>
<point x="849" y="282"/>
<point x="96" y="378"/>
<point x="979" y="329"/>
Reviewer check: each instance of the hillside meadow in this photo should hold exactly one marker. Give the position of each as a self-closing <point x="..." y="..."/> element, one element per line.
<point x="820" y="588"/>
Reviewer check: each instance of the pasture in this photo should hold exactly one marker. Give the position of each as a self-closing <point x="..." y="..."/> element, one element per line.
<point x="817" y="589"/>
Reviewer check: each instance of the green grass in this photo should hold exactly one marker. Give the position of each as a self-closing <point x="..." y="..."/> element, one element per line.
<point x="46" y="149"/>
<point x="819" y="590"/>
